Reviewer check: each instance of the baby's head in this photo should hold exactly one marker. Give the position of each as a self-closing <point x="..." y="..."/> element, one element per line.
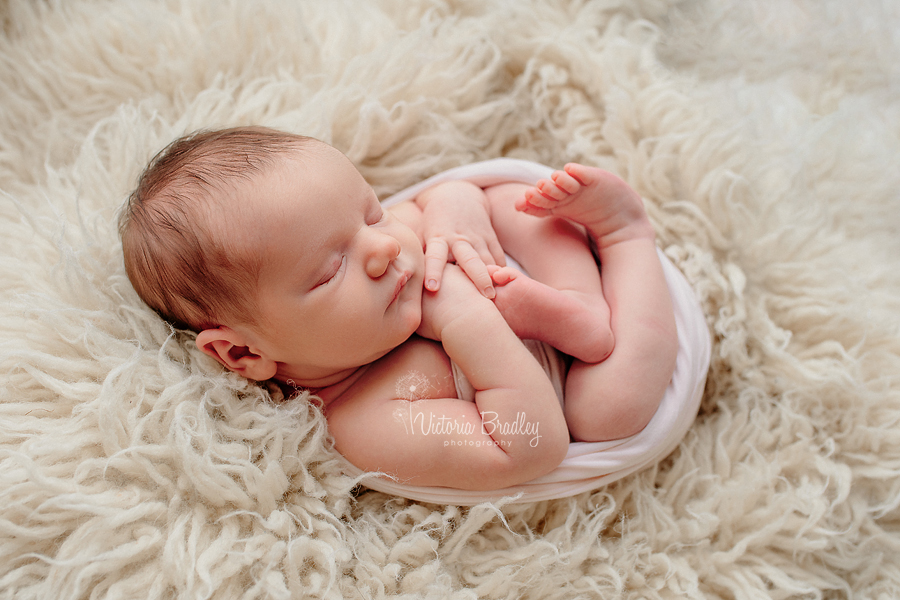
<point x="179" y="253"/>
<point x="275" y="250"/>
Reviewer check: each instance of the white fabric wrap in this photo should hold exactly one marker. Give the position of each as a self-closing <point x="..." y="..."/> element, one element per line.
<point x="587" y="466"/>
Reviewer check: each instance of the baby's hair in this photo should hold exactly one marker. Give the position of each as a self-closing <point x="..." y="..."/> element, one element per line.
<point x="181" y="261"/>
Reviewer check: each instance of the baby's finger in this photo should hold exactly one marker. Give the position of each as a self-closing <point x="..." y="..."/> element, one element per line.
<point x="484" y="252"/>
<point x="497" y="252"/>
<point x="436" y="253"/>
<point x="469" y="261"/>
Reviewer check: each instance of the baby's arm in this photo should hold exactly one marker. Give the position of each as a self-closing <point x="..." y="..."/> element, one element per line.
<point x="455" y="225"/>
<point x="513" y="432"/>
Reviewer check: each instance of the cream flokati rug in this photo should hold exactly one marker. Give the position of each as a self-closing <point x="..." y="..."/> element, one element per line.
<point x="763" y="135"/>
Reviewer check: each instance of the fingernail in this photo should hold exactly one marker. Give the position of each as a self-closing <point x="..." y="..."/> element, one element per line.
<point x="431" y="284"/>
<point x="489" y="293"/>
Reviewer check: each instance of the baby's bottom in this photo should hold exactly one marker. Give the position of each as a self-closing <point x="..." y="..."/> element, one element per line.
<point x="611" y="388"/>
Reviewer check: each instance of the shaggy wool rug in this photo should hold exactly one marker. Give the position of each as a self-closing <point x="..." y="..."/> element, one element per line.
<point x="764" y="136"/>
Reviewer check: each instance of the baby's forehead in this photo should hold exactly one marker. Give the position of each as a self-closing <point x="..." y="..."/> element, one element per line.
<point x="314" y="188"/>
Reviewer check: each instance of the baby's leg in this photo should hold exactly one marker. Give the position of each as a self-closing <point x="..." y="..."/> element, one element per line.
<point x="561" y="301"/>
<point x="615" y="398"/>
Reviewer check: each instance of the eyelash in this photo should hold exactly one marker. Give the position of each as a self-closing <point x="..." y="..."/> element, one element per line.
<point x="331" y="277"/>
<point x="335" y="274"/>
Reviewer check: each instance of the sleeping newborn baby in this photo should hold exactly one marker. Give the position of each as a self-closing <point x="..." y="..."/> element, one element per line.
<point x="406" y="322"/>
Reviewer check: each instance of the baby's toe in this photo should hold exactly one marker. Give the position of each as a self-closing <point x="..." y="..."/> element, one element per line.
<point x="552" y="191"/>
<point x="585" y="176"/>
<point x="537" y="199"/>
<point x="566" y="182"/>
<point x="502" y="275"/>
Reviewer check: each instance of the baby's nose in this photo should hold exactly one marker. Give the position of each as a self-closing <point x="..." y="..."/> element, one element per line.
<point x="384" y="250"/>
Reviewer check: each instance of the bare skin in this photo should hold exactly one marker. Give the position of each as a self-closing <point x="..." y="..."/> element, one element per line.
<point x="616" y="397"/>
<point x="573" y="322"/>
<point x="340" y="323"/>
<point x="620" y="330"/>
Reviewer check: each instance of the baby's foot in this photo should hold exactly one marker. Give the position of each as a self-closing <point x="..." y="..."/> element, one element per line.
<point x="574" y="323"/>
<point x="608" y="208"/>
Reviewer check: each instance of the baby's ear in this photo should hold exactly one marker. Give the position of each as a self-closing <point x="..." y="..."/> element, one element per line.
<point x="229" y="348"/>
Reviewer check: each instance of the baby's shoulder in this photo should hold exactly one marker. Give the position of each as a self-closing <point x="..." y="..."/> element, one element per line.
<point x="415" y="370"/>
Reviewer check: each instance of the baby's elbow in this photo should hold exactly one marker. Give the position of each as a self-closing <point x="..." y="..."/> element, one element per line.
<point x="547" y="451"/>
<point x="552" y="445"/>
<point x="557" y="450"/>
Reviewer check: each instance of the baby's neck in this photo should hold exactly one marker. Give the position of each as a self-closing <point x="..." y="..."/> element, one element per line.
<point x="328" y="388"/>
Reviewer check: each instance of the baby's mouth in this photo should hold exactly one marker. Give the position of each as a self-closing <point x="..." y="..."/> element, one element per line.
<point x="401" y="283"/>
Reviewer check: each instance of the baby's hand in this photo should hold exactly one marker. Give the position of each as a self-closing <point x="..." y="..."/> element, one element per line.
<point x="456" y="298"/>
<point x="457" y="227"/>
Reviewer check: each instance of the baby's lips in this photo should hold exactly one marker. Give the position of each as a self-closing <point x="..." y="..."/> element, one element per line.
<point x="401" y="283"/>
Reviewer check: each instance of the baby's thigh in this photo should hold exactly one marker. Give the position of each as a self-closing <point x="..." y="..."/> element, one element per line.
<point x="552" y="250"/>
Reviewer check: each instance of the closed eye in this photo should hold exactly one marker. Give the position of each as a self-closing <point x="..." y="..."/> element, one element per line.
<point x="332" y="274"/>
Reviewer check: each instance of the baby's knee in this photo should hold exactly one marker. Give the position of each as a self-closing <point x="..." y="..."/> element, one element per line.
<point x="610" y="414"/>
